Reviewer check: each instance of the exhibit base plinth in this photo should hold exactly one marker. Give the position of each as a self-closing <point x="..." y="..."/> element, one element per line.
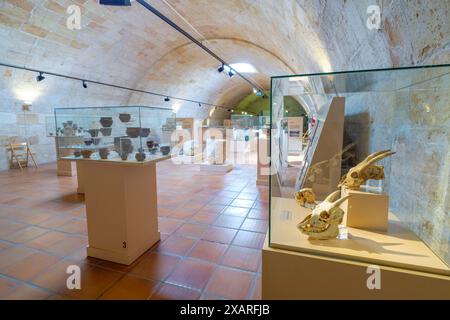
<point x="366" y="210"/>
<point x="80" y="177"/>
<point x="65" y="168"/>
<point x="290" y="275"/>
<point x="222" y="168"/>
<point x="295" y="266"/>
<point x="121" y="209"/>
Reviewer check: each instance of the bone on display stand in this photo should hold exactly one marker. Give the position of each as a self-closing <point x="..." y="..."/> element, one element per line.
<point x="366" y="210"/>
<point x="121" y="207"/>
<point x="297" y="267"/>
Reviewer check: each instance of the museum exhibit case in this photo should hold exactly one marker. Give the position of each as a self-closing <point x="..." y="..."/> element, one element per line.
<point x="116" y="150"/>
<point x="370" y="190"/>
<point x="127" y="132"/>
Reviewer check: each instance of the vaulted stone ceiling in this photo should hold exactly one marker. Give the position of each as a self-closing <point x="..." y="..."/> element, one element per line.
<point x="132" y="47"/>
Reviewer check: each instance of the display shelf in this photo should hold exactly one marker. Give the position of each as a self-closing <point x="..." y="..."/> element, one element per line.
<point x="397" y="247"/>
<point x="150" y="158"/>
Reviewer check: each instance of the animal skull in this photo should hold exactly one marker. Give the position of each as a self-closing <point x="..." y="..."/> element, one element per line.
<point x="365" y="170"/>
<point x="305" y="195"/>
<point x="323" y="222"/>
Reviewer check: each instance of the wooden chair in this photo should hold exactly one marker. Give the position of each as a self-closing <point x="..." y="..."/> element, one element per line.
<point x="20" y="155"/>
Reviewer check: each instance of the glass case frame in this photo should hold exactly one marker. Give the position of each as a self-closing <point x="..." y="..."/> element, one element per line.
<point x="127" y="133"/>
<point x="414" y="98"/>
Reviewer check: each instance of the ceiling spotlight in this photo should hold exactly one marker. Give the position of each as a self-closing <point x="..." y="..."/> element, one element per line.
<point x="40" y="77"/>
<point x="221" y="68"/>
<point x="167" y="99"/>
<point x="255" y="90"/>
<point x="84" y="84"/>
<point x="231" y="73"/>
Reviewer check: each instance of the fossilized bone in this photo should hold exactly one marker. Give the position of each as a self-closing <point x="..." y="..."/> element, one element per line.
<point x="317" y="170"/>
<point x="365" y="170"/>
<point x="323" y="222"/>
<point x="305" y="196"/>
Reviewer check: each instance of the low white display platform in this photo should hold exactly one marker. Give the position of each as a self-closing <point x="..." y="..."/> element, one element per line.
<point x="223" y="168"/>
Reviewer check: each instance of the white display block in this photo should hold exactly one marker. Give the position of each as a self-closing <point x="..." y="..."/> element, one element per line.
<point x="223" y="168"/>
<point x="366" y="210"/>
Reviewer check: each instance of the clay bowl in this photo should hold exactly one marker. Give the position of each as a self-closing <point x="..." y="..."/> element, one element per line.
<point x="124" y="156"/>
<point x="150" y="144"/>
<point x="144" y="132"/>
<point x="104" y="153"/>
<point x="77" y="153"/>
<point x="165" y="150"/>
<point x="133" y="132"/>
<point x="86" y="153"/>
<point x="140" y="156"/>
<point x="124" y="117"/>
<point x="94" y="132"/>
<point x="88" y="142"/>
<point x="106" y="122"/>
<point x="106" y="132"/>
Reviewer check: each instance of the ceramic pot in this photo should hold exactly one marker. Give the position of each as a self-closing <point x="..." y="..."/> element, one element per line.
<point x="165" y="150"/>
<point x="124" y="156"/>
<point x="124" y="117"/>
<point x="153" y="150"/>
<point x="117" y="143"/>
<point x="125" y="145"/>
<point x="133" y="132"/>
<point x="96" y="141"/>
<point x="86" y="153"/>
<point x="88" y="142"/>
<point x="144" y="132"/>
<point x="93" y="132"/>
<point x="150" y="144"/>
<point x="104" y="153"/>
<point x="140" y="156"/>
<point x="77" y="153"/>
<point x="106" y="132"/>
<point x="106" y="122"/>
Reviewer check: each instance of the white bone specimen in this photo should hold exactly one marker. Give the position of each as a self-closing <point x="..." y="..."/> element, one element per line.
<point x="365" y="170"/>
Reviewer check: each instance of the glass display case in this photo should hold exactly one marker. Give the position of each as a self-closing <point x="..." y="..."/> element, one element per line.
<point x="372" y="182"/>
<point x="131" y="133"/>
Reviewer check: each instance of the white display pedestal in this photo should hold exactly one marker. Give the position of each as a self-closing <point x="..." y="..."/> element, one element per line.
<point x="121" y="207"/>
<point x="263" y="156"/>
<point x="366" y="210"/>
<point x="223" y="168"/>
<point x="297" y="267"/>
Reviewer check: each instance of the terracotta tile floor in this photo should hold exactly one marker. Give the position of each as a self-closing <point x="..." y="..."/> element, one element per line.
<point x="212" y="230"/>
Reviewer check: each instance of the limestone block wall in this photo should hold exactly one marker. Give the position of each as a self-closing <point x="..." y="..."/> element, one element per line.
<point x="416" y="124"/>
